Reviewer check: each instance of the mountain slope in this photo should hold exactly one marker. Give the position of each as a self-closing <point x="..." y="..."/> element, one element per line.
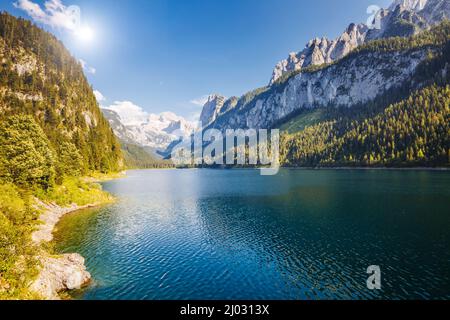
<point x="52" y="132"/>
<point x="403" y="18"/>
<point x="155" y="132"/>
<point x="363" y="75"/>
<point x="39" y="77"/>
<point x="137" y="157"/>
<point x="212" y="108"/>
<point x="413" y="132"/>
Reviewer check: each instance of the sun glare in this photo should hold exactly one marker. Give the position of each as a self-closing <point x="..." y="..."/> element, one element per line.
<point x="85" y="34"/>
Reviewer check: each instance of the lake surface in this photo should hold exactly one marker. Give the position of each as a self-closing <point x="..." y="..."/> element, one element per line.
<point x="233" y="234"/>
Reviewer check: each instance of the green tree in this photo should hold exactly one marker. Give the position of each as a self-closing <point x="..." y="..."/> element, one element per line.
<point x="70" y="161"/>
<point x="26" y="157"/>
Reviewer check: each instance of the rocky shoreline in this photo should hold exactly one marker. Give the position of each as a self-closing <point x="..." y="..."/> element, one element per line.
<point x="62" y="272"/>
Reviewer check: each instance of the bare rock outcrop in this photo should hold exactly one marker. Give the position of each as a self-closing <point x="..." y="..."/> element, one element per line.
<point x="61" y="273"/>
<point x="57" y="273"/>
<point x="212" y="108"/>
<point x="321" y="50"/>
<point x="403" y="18"/>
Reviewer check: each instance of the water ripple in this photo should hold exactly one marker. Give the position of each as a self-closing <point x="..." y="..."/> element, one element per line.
<point x="204" y="234"/>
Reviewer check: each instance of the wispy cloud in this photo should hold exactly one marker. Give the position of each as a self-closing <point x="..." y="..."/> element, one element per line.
<point x="194" y="117"/>
<point x="86" y="67"/>
<point x="200" y="101"/>
<point x="99" y="96"/>
<point x="54" y="13"/>
<point x="129" y="113"/>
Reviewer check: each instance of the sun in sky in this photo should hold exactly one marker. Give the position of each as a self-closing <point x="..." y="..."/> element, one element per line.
<point x="85" y="34"/>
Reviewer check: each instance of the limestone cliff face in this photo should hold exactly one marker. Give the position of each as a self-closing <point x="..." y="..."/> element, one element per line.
<point x="212" y="108"/>
<point x="320" y="51"/>
<point x="358" y="79"/>
<point x="336" y="77"/>
<point x="436" y="11"/>
<point x="403" y="18"/>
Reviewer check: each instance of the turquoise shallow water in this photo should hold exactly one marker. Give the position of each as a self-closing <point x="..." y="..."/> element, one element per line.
<point x="233" y="234"/>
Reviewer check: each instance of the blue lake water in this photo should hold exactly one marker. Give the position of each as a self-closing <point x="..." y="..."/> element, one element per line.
<point x="233" y="234"/>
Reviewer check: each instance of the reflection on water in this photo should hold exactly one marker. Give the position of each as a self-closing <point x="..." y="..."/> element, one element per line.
<point x="212" y="234"/>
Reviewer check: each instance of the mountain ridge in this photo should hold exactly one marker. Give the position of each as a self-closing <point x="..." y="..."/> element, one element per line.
<point x="154" y="132"/>
<point x="359" y="77"/>
<point x="418" y="14"/>
<point x="315" y="85"/>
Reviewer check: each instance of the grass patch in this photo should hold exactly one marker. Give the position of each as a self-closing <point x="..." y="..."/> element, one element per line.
<point x="305" y="119"/>
<point x="19" y="218"/>
<point x="101" y="177"/>
<point x="17" y="263"/>
<point x="76" y="191"/>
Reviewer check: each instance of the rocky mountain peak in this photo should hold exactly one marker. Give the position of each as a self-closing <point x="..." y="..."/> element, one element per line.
<point x="212" y="108"/>
<point x="321" y="50"/>
<point x="436" y="11"/>
<point x="414" y="5"/>
<point x="156" y="131"/>
<point x="403" y="18"/>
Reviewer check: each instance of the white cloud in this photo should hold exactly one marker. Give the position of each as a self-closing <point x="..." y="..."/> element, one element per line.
<point x="54" y="13"/>
<point x="129" y="113"/>
<point x="87" y="67"/>
<point x="91" y="70"/>
<point x="200" y="101"/>
<point x="194" y="118"/>
<point x="99" y="96"/>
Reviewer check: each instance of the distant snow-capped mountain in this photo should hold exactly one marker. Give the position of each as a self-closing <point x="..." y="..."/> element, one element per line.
<point x="156" y="132"/>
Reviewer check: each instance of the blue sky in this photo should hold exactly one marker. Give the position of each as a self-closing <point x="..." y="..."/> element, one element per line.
<point x="163" y="54"/>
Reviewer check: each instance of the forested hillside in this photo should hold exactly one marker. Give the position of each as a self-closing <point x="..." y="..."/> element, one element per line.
<point x="39" y="77"/>
<point x="52" y="133"/>
<point x="399" y="128"/>
<point x="136" y="157"/>
<point x="413" y="132"/>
